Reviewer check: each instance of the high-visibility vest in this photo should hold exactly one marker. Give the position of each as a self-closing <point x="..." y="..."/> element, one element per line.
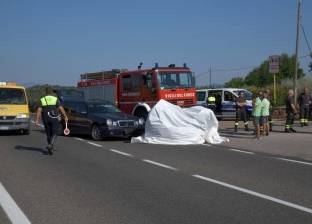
<point x="48" y="101"/>
<point x="211" y="99"/>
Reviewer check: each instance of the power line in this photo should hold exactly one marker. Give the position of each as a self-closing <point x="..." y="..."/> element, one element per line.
<point x="306" y="39"/>
<point x="226" y="70"/>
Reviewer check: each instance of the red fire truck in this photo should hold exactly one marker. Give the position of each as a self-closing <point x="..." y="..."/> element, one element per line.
<point x="136" y="92"/>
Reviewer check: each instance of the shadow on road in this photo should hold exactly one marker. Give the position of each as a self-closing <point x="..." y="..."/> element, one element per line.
<point x="27" y="148"/>
<point x="229" y="133"/>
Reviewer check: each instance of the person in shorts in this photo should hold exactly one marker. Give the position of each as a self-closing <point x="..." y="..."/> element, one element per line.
<point x="256" y="113"/>
<point x="265" y="113"/>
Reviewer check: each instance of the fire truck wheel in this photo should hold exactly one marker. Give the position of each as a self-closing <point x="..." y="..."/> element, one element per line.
<point x="141" y="113"/>
<point x="95" y="133"/>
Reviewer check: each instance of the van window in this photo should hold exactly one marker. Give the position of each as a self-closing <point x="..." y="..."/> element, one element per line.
<point x="201" y="95"/>
<point x="12" y="96"/>
<point x="228" y="96"/>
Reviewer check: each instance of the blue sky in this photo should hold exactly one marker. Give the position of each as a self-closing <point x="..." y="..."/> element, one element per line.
<point x="55" y="41"/>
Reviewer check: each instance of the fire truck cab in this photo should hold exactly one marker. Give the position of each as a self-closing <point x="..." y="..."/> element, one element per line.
<point x="136" y="92"/>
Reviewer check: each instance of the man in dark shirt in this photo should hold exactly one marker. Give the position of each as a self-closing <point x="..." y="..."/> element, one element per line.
<point x="291" y="111"/>
<point x="304" y="101"/>
<point x="241" y="114"/>
<point x="48" y="109"/>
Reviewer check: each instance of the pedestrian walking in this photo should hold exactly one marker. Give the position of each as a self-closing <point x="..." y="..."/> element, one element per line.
<point x="256" y="113"/>
<point x="291" y="111"/>
<point x="241" y="113"/>
<point x="265" y="113"/>
<point x="49" y="111"/>
<point x="304" y="101"/>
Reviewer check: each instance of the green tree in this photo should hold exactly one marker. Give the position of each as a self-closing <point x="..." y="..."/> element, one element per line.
<point x="236" y="82"/>
<point x="261" y="77"/>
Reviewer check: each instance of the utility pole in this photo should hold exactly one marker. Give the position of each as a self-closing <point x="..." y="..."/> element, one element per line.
<point x="210" y="84"/>
<point x="297" y="49"/>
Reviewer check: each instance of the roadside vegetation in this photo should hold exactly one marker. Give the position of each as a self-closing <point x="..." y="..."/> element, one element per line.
<point x="34" y="93"/>
<point x="260" y="78"/>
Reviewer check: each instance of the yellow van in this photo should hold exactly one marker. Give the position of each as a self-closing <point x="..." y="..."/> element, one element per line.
<point x="14" y="110"/>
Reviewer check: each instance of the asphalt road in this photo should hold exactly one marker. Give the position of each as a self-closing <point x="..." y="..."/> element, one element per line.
<point x="114" y="181"/>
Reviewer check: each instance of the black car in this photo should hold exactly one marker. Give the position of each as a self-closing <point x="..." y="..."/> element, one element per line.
<point x="101" y="119"/>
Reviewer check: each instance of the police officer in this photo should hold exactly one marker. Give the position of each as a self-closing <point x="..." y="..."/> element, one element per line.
<point x="49" y="110"/>
<point x="241" y="113"/>
<point x="291" y="111"/>
<point x="211" y="103"/>
<point x="304" y="101"/>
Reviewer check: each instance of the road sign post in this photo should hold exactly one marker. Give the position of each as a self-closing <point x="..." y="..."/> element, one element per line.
<point x="274" y="63"/>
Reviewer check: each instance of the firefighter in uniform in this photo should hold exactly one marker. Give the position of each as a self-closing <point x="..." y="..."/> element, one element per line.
<point x="211" y="103"/>
<point x="304" y="101"/>
<point x="291" y="111"/>
<point x="48" y="110"/>
<point x="241" y="113"/>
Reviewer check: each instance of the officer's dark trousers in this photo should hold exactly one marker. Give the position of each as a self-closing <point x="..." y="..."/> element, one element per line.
<point x="51" y="126"/>
<point x="289" y="120"/>
<point x="304" y="114"/>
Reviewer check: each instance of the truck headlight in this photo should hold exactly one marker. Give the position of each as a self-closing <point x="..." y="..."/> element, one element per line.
<point x="22" y="115"/>
<point x="109" y="122"/>
<point x="141" y="121"/>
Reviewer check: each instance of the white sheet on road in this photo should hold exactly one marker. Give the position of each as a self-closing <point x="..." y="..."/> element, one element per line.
<point x="172" y="125"/>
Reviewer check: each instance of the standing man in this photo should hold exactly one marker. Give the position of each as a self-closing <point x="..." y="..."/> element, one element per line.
<point x="256" y="113"/>
<point x="241" y="113"/>
<point x="265" y="113"/>
<point x="211" y="103"/>
<point x="49" y="111"/>
<point x="291" y="111"/>
<point x="304" y="101"/>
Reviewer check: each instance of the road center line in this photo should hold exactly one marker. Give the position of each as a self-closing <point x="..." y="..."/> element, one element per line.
<point x="92" y="143"/>
<point x="295" y="161"/>
<point x="237" y="150"/>
<point x="14" y="213"/>
<point x="259" y="195"/>
<point x="160" y="164"/>
<point x="121" y="153"/>
<point x="79" y="139"/>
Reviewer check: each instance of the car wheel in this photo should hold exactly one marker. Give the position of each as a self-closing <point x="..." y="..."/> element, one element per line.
<point x="24" y="132"/>
<point x="96" y="133"/>
<point x="141" y="113"/>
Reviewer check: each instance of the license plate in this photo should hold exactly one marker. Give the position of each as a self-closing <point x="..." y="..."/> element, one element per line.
<point x="4" y="128"/>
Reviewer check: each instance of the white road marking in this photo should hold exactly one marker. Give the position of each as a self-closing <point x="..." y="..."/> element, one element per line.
<point x="256" y="194"/>
<point x="95" y="144"/>
<point x="295" y="161"/>
<point x="160" y="164"/>
<point x="237" y="150"/>
<point x="121" y="153"/>
<point x="14" y="213"/>
<point x="79" y="139"/>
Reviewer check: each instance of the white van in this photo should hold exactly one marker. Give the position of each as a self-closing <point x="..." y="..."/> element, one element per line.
<point x="225" y="100"/>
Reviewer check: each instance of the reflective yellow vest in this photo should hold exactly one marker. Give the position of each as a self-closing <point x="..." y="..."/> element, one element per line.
<point x="211" y="99"/>
<point x="48" y="101"/>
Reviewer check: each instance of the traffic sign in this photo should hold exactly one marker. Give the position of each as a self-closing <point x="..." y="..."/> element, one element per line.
<point x="274" y="63"/>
